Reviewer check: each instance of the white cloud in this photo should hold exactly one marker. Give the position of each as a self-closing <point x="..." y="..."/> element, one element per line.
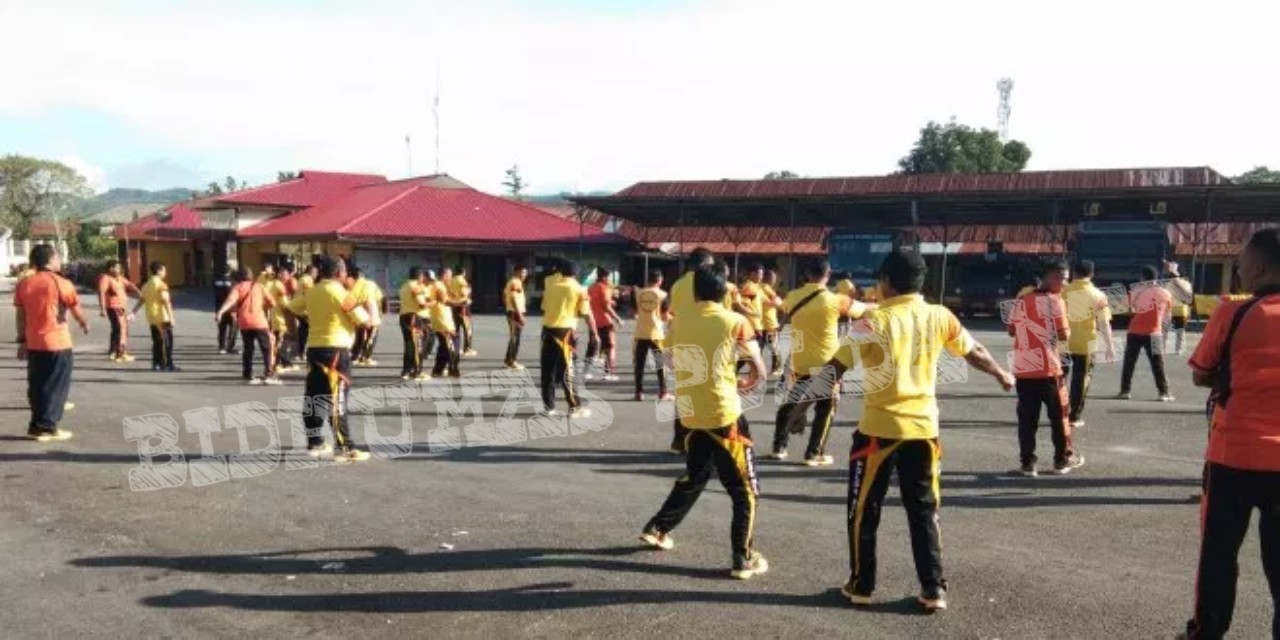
<point x="94" y="175"/>
<point x="724" y="88"/>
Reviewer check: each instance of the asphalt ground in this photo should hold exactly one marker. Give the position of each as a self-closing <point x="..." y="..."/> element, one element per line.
<point x="536" y="536"/>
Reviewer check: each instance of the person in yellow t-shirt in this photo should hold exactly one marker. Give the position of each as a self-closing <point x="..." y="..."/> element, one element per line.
<point x="441" y="305"/>
<point x="335" y="316"/>
<point x="278" y="319"/>
<point x="155" y="300"/>
<point x="1180" y="288"/>
<point x="414" y="324"/>
<point x="751" y="301"/>
<point x="771" y="302"/>
<point x="514" y="302"/>
<point x="651" y="317"/>
<point x="564" y="302"/>
<point x="1089" y="323"/>
<point x="899" y="345"/>
<point x="460" y="295"/>
<point x="711" y="340"/>
<point x="306" y="280"/>
<point x="366" y="292"/>
<point x="732" y="298"/>
<point x="682" y="303"/>
<point x="845" y="287"/>
<point x="814" y="313"/>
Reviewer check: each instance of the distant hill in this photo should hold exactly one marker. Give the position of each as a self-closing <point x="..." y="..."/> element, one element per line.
<point x="116" y="197"/>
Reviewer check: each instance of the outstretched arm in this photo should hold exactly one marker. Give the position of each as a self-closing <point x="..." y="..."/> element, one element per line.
<point x="979" y="358"/>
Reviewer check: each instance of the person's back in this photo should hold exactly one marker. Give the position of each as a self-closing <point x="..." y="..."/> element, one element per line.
<point x="44" y="298"/>
<point x="601" y="297"/>
<point x="329" y="305"/>
<point x="563" y="301"/>
<point x="222" y="286"/>
<point x="813" y="325"/>
<point x="705" y="357"/>
<point x="251" y="306"/>
<point x="649" y="313"/>
<point x="153" y="294"/>
<point x="1037" y="319"/>
<point x="1150" y="304"/>
<point x="1086" y="307"/>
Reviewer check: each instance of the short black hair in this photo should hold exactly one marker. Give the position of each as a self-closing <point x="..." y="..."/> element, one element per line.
<point x="708" y="284"/>
<point x="1149" y="273"/>
<point x="655" y="275"/>
<point x="698" y="257"/>
<point x="569" y="268"/>
<point x="244" y="274"/>
<point x="601" y="273"/>
<point x="156" y="267"/>
<point x="754" y="267"/>
<point x="415" y="273"/>
<point x="1267" y="243"/>
<point x="328" y="266"/>
<point x="287" y="266"/>
<point x="357" y="272"/>
<point x="311" y="267"/>
<point x="1083" y="269"/>
<point x="817" y="268"/>
<point x="905" y="271"/>
<point x="42" y="255"/>
<point x="1054" y="266"/>
<point x="111" y="263"/>
<point x="518" y="268"/>
<point x="846" y="275"/>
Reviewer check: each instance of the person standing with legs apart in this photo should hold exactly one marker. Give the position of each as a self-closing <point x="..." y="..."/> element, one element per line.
<point x="1089" y="319"/>
<point x="460" y="301"/>
<point x="443" y="309"/>
<point x="222" y="286"/>
<point x="513" y="301"/>
<point x="413" y="303"/>
<point x="712" y="340"/>
<point x="900" y="344"/>
<point x="1150" y="304"/>
<point x="251" y="304"/>
<point x="771" y="302"/>
<point x="42" y="301"/>
<point x="113" y="300"/>
<point x="1238" y="358"/>
<point x="1038" y="326"/>
<point x="651" y="315"/>
<point x="279" y="319"/>
<point x="815" y="313"/>
<point x="334" y="317"/>
<point x="564" y="300"/>
<point x="159" y="307"/>
<point x="366" y="292"/>
<point x="683" y="303"/>
<point x="600" y="296"/>
<point x="1180" y="289"/>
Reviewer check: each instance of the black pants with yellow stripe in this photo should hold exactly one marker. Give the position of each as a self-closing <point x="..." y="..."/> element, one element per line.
<point x="871" y="462"/>
<point x="411" y="333"/>
<point x="640" y="358"/>
<point x="728" y="452"/>
<point x="328" y="381"/>
<point x="557" y="367"/>
<point x="446" y="356"/>
<point x="794" y="409"/>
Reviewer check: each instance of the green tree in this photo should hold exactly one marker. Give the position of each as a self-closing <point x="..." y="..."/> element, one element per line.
<point x="1258" y="175"/>
<point x="89" y="243"/>
<point x="515" y="182"/>
<point x="34" y="189"/>
<point x="957" y="148"/>
<point x="285" y="176"/>
<point x="214" y="189"/>
<point x="781" y="175"/>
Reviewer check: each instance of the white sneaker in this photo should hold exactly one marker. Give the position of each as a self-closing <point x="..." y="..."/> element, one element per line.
<point x="272" y="381"/>
<point x="1166" y="398"/>
<point x="580" y="412"/>
<point x="609" y="377"/>
<point x="1076" y="424"/>
<point x="550" y="413"/>
<point x="323" y="450"/>
<point x="589" y="376"/>
<point x="253" y="382"/>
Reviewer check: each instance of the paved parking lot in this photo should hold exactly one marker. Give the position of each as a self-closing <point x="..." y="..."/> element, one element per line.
<point x="535" y="536"/>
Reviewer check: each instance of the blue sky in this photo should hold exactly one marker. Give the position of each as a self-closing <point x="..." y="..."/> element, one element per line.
<point x="595" y="95"/>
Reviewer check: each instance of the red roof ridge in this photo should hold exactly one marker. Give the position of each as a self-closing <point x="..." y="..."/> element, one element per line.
<point x="385" y="203"/>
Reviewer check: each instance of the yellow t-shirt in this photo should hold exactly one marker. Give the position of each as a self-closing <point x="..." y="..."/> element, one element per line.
<point x="1180" y="289"/>
<point x="769" y="321"/>
<point x="649" y="314"/>
<point x="413" y="298"/>
<point x="153" y="295"/>
<point x="899" y="345"/>
<point x="708" y="343"/>
<point x="682" y="301"/>
<point x="563" y="302"/>
<point x="305" y="283"/>
<point x="365" y="291"/>
<point x="871" y="294"/>
<point x="441" y="313"/>
<point x="1084" y="302"/>
<point x="276" y="291"/>
<point x="813" y="327"/>
<point x="750" y="298"/>
<point x="329" y="305"/>
<point x="845" y="287"/>
<point x="731" y="295"/>
<point x="513" y="296"/>
<point x="458" y="288"/>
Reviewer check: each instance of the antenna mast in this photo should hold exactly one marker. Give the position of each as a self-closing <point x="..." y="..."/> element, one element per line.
<point x="435" y="113"/>
<point x="1005" y="87"/>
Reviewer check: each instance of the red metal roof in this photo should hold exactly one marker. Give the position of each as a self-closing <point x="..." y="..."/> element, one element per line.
<point x="1215" y="239"/>
<point x="182" y="221"/>
<point x="935" y="184"/>
<point x="413" y="210"/>
<point x="308" y="189"/>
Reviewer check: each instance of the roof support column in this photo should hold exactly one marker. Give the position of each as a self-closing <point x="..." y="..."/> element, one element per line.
<point x="915" y="224"/>
<point x="1199" y="236"/>
<point x="791" y="246"/>
<point x="680" y="230"/>
<point x="942" y="282"/>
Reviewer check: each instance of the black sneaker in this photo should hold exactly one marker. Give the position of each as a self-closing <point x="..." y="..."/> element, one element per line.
<point x="933" y="600"/>
<point x="1029" y="470"/>
<point x="851" y="593"/>
<point x="1067" y="466"/>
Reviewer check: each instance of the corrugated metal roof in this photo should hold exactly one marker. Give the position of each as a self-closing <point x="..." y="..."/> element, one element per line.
<point x="415" y="210"/>
<point x="935" y="184"/>
<point x="308" y="189"/>
<point x="181" y="221"/>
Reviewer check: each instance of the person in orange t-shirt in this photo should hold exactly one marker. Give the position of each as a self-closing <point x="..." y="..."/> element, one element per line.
<point x="113" y="297"/>
<point x="251" y="303"/>
<point x="600" y="297"/>
<point x="42" y="302"/>
<point x="1038" y="325"/>
<point x="1239" y="359"/>
<point x="1152" y="305"/>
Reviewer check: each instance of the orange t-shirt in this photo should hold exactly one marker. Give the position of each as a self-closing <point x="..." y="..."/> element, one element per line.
<point x="1245" y="433"/>
<point x="250" y="301"/>
<point x="1150" y="304"/>
<point x="113" y="289"/>
<point x="45" y="297"/>
<point x="1037" y="320"/>
<point x="601" y="295"/>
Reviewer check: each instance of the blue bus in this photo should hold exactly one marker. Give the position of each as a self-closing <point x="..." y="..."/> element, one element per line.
<point x="860" y="254"/>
